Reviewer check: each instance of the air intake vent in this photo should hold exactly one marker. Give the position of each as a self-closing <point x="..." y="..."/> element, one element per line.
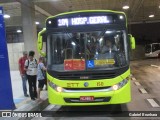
<point x="87" y="75"/>
<point x="84" y="76"/>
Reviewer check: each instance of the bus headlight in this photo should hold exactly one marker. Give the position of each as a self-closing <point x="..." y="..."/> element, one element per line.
<point x="120" y="84"/>
<point x="115" y="87"/>
<point x="55" y="87"/>
<point x="59" y="89"/>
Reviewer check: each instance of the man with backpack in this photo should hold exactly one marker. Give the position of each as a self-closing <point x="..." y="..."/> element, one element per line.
<point x="31" y="71"/>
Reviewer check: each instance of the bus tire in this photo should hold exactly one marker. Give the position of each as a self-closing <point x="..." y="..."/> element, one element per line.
<point x="159" y="55"/>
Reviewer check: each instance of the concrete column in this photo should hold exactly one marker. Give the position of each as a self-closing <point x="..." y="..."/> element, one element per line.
<point x="28" y="25"/>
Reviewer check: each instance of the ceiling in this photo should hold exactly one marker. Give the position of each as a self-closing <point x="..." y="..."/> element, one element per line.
<point x="137" y="13"/>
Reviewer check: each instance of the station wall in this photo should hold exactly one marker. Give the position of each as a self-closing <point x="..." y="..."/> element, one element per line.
<point x="15" y="51"/>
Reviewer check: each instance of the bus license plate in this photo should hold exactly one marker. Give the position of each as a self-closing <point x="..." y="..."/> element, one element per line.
<point x="86" y="98"/>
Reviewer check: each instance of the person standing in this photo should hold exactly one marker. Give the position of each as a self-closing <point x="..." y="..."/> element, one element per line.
<point x="21" y="63"/>
<point x="31" y="70"/>
<point x="41" y="75"/>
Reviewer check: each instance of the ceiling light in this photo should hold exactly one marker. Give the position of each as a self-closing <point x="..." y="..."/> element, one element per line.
<point x="6" y="16"/>
<point x="126" y="7"/>
<point x="19" y="31"/>
<point x="151" y="16"/>
<point x="37" y="23"/>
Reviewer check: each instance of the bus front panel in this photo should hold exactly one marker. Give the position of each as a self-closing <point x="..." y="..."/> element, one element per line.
<point x="98" y="92"/>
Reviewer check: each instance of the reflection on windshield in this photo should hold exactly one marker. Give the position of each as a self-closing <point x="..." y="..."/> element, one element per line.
<point x="155" y="47"/>
<point x="148" y="48"/>
<point x="152" y="47"/>
<point x="91" y="50"/>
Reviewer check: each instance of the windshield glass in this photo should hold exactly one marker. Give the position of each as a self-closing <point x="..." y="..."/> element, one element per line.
<point x="82" y="51"/>
<point x="155" y="47"/>
<point x="148" y="48"/>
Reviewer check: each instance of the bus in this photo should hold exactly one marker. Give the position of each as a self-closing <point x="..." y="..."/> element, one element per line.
<point x="152" y="50"/>
<point x="87" y="56"/>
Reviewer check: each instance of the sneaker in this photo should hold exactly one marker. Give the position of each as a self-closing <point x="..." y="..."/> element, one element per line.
<point x="26" y="95"/>
<point x="33" y="99"/>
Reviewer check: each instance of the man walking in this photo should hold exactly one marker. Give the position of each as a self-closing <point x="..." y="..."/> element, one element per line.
<point x="23" y="72"/>
<point x="31" y="71"/>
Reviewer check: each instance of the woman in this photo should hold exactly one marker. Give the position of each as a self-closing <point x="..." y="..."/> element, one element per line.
<point x="41" y="76"/>
<point x="31" y="71"/>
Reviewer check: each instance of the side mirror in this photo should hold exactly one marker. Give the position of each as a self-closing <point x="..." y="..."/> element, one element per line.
<point x="132" y="41"/>
<point x="40" y="43"/>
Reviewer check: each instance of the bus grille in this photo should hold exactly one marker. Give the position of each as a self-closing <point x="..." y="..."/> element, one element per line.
<point x="85" y="76"/>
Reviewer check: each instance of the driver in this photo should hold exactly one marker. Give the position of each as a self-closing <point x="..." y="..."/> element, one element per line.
<point x="108" y="47"/>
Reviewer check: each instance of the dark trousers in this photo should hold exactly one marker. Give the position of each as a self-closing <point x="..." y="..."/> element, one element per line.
<point x="32" y="86"/>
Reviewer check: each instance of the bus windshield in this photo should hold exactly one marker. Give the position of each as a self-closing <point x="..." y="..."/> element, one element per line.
<point x="152" y="47"/>
<point x="148" y="48"/>
<point x="155" y="47"/>
<point x="82" y="51"/>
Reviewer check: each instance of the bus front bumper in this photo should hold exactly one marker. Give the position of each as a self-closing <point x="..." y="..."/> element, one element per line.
<point x="122" y="95"/>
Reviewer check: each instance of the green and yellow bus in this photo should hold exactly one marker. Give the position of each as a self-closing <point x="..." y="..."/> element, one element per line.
<point x="87" y="58"/>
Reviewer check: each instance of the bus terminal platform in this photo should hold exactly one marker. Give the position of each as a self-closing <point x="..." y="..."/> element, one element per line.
<point x="23" y="103"/>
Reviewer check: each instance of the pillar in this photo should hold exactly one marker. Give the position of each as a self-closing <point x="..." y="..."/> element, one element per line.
<point x="28" y="25"/>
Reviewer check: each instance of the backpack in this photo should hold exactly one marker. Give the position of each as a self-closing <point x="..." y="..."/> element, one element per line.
<point x="35" y="61"/>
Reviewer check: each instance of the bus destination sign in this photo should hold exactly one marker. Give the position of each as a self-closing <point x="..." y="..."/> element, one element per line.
<point x="91" y="20"/>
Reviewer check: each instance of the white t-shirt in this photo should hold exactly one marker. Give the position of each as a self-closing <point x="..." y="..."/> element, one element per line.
<point x="32" y="67"/>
